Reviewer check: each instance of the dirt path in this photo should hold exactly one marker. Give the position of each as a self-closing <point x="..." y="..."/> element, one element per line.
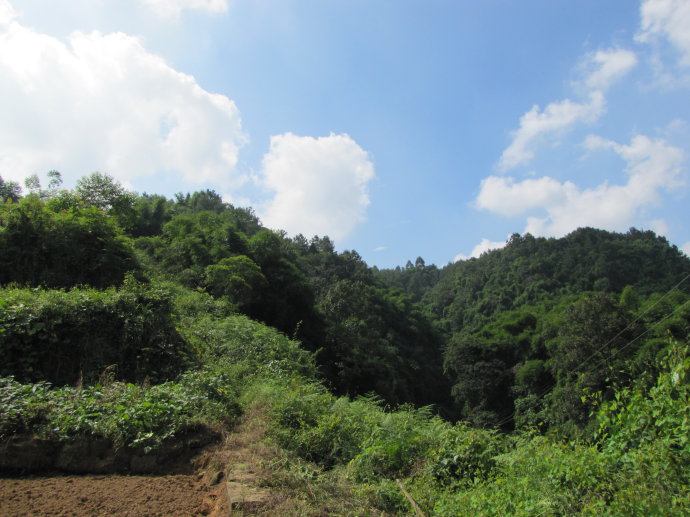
<point x="241" y="463"/>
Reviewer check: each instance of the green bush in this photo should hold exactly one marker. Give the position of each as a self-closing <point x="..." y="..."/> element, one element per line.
<point x="128" y="414"/>
<point x="638" y="416"/>
<point x="537" y="477"/>
<point x="219" y="337"/>
<point x="296" y="408"/>
<point x="396" y="443"/>
<point x="66" y="337"/>
<point x="63" y="248"/>
<point x="340" y="431"/>
<point x="646" y="431"/>
<point x="464" y="456"/>
<point x="23" y="406"/>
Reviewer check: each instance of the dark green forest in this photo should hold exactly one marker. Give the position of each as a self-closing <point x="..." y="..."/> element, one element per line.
<point x="549" y="377"/>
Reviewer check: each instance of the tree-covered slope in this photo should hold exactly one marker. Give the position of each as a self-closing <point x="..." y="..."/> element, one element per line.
<point x="466" y="294"/>
<point x="532" y="326"/>
<point x="136" y="319"/>
<point x="468" y="331"/>
<point x="366" y="336"/>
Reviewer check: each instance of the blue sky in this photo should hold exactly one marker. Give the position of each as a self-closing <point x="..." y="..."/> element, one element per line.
<point x="400" y="128"/>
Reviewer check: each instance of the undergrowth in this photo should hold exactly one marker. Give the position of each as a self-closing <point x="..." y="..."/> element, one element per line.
<point x="450" y="470"/>
<point x="360" y="457"/>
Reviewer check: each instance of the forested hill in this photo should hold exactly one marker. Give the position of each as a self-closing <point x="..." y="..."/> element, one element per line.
<point x="366" y="337"/>
<point x="136" y="319"/>
<point x="531" y="326"/>
<point x="504" y="339"/>
<point x="466" y="294"/>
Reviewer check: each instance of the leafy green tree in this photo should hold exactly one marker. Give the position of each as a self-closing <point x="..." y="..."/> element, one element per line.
<point x="589" y="355"/>
<point x="63" y="249"/>
<point x="105" y="193"/>
<point x="151" y="213"/>
<point x="239" y="278"/>
<point x="481" y="378"/>
<point x="375" y="341"/>
<point x="55" y="181"/>
<point x="190" y="242"/>
<point x="207" y="200"/>
<point x="9" y="190"/>
<point x="287" y="300"/>
<point x="32" y="183"/>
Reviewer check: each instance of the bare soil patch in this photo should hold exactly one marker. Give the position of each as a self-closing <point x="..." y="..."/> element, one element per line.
<point x="223" y="480"/>
<point x="241" y="476"/>
<point x="95" y="496"/>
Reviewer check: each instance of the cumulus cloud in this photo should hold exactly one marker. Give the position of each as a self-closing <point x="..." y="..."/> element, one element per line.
<point x="667" y="19"/>
<point x="601" y="69"/>
<point x="505" y="196"/>
<point x="173" y="8"/>
<point x="102" y="101"/>
<point x="555" y="118"/>
<point x="320" y="184"/>
<point x="484" y="246"/>
<point x="652" y="165"/>
<point x="7" y="13"/>
<point x="607" y="66"/>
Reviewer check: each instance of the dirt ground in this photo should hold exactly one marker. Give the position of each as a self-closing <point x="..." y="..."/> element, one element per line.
<point x="233" y="478"/>
<point x="95" y="496"/>
<point x="225" y="482"/>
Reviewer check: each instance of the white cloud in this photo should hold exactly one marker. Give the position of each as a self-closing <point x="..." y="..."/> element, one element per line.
<point x="104" y="102"/>
<point x="667" y="19"/>
<point x="685" y="248"/>
<point x="320" y="184"/>
<point x="597" y="143"/>
<point x="600" y="69"/>
<point x="504" y="196"/>
<point x="484" y="246"/>
<point x="555" y="118"/>
<point x="378" y="249"/>
<point x="7" y="13"/>
<point x="173" y="8"/>
<point x="651" y="166"/>
<point x="607" y="66"/>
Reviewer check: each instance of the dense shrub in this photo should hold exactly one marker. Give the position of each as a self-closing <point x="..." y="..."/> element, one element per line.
<point x="463" y="456"/>
<point x="536" y="477"/>
<point x="221" y="338"/>
<point x="76" y="246"/>
<point x="67" y="336"/>
<point x="128" y="414"/>
<point x="399" y="441"/>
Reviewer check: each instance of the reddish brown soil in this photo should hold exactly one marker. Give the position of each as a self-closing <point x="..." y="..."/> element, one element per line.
<point x="95" y="496"/>
<point x="232" y="478"/>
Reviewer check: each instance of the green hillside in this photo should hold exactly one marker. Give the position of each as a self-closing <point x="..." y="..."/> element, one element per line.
<point x="546" y="378"/>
